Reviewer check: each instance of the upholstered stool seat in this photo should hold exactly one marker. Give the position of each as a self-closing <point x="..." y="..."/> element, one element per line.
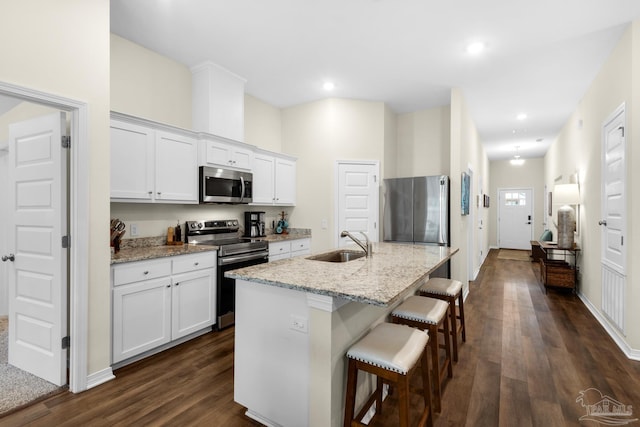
<point x="390" y="352"/>
<point x="449" y="290"/>
<point x="429" y="314"/>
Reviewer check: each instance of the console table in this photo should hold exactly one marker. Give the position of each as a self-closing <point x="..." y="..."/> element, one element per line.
<point x="559" y="266"/>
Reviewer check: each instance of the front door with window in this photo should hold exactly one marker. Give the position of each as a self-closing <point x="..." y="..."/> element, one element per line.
<point x="515" y="218"/>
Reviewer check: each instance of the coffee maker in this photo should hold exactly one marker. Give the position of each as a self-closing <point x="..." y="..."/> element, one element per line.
<point x="254" y="225"/>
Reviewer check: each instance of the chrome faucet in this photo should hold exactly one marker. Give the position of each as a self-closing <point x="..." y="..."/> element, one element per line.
<point x="367" y="248"/>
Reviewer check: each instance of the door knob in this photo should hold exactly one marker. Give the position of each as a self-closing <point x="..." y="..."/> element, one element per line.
<point x="603" y="222"/>
<point x="10" y="257"/>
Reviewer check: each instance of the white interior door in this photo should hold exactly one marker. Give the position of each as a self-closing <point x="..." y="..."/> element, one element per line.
<point x="38" y="265"/>
<point x="613" y="194"/>
<point x="357" y="204"/>
<point x="613" y="222"/>
<point x="515" y="218"/>
<point x="4" y="180"/>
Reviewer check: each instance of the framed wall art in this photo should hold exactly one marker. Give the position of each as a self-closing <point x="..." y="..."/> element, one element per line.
<point x="466" y="188"/>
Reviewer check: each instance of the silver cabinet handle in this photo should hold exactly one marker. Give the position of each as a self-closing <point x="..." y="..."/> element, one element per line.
<point x="9" y="257"/>
<point x="145" y="273"/>
<point x="196" y="263"/>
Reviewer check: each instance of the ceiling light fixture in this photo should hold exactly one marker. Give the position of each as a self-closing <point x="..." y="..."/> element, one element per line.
<point x="521" y="116"/>
<point x="328" y="86"/>
<point x="475" y="48"/>
<point x="517" y="161"/>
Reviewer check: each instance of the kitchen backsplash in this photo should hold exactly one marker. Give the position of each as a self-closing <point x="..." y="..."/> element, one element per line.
<point x="152" y="220"/>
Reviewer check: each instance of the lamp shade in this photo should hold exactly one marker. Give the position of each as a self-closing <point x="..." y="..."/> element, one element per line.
<point x="566" y="194"/>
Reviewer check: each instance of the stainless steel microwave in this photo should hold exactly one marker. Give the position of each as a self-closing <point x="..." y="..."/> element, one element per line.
<point x="225" y="186"/>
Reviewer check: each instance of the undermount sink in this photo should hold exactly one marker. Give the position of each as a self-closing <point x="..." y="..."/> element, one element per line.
<point x="341" y="255"/>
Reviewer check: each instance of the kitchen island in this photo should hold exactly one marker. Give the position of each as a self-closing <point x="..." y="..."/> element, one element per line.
<point x="296" y="318"/>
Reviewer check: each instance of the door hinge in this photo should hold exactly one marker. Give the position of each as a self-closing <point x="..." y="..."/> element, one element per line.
<point x="621" y="128"/>
<point x="621" y="240"/>
<point x="375" y="178"/>
<point x="66" y="242"/>
<point x="66" y="342"/>
<point x="66" y="141"/>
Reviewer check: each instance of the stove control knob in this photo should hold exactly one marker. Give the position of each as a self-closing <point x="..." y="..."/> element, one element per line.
<point x="235" y="223"/>
<point x="199" y="225"/>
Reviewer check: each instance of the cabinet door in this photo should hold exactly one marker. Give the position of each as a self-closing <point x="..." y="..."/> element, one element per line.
<point x="176" y="168"/>
<point x="263" y="179"/>
<point x="132" y="153"/>
<point x="217" y="153"/>
<point x="285" y="182"/>
<point x="141" y="317"/>
<point x="193" y="302"/>
<point x="242" y="158"/>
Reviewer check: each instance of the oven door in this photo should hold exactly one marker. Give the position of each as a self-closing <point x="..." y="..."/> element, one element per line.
<point x="225" y="186"/>
<point x="226" y="288"/>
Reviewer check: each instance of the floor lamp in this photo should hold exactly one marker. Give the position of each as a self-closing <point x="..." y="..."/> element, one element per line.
<point x="566" y="195"/>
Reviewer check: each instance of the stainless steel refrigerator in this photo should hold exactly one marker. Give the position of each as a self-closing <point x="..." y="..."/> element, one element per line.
<point x="416" y="210"/>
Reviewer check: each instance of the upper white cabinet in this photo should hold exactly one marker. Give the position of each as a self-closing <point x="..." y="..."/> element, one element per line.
<point x="152" y="163"/>
<point x="217" y="152"/>
<point x="217" y="101"/>
<point x="274" y="179"/>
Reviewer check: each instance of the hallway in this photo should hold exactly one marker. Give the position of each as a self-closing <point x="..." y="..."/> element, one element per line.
<point x="527" y="357"/>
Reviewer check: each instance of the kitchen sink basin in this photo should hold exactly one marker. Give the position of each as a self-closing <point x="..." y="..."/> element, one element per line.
<point x="338" y="256"/>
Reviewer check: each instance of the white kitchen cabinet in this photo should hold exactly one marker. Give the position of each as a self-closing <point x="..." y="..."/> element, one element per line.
<point x="217" y="101"/>
<point x="274" y="179"/>
<point x="289" y="249"/>
<point x="221" y="153"/>
<point x="152" y="164"/>
<point x="160" y="301"/>
<point x="176" y="176"/>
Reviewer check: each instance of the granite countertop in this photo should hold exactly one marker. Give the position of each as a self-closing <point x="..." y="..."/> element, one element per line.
<point x="379" y="280"/>
<point x="141" y="253"/>
<point x="288" y="236"/>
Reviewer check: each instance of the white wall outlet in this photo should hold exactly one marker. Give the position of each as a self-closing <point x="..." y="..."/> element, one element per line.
<point x="133" y="229"/>
<point x="324" y="224"/>
<point x="299" y="323"/>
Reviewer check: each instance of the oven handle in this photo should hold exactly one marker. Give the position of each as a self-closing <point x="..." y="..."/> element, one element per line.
<point x="240" y="258"/>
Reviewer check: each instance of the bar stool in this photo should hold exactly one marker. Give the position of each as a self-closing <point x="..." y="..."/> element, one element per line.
<point x="429" y="314"/>
<point x="449" y="290"/>
<point x="390" y="352"/>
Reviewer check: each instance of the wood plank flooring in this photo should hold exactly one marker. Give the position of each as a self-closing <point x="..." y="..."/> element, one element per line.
<point x="526" y="358"/>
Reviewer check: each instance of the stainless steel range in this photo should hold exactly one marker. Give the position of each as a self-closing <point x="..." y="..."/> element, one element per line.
<point x="235" y="252"/>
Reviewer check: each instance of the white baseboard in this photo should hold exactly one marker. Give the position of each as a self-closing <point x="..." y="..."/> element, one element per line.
<point x="100" y="377"/>
<point x="631" y="353"/>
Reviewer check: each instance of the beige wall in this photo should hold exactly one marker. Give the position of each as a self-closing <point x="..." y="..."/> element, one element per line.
<point x="504" y="175"/>
<point x="318" y="134"/>
<point x="65" y="51"/>
<point x="424" y="142"/>
<point x="262" y="124"/>
<point x="578" y="149"/>
<point x="149" y="85"/>
<point x="467" y="154"/>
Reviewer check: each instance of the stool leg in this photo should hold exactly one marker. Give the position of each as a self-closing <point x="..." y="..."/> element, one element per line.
<point x="426" y="384"/>
<point x="447" y="347"/>
<point x="350" y="398"/>
<point x="461" y="308"/>
<point x="379" y="387"/>
<point x="403" y="400"/>
<point x="435" y="365"/>
<point x="453" y="326"/>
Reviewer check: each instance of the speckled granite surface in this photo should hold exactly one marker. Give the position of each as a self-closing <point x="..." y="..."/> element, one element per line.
<point x="379" y="280"/>
<point x="294" y="233"/>
<point x="141" y="253"/>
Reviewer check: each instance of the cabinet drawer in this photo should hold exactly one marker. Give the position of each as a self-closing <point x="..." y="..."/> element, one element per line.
<point x="138" y="271"/>
<point x="278" y="248"/>
<point x="300" y="245"/>
<point x="186" y="263"/>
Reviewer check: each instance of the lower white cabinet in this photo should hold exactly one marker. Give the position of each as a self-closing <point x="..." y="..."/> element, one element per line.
<point x="289" y="249"/>
<point x="156" y="302"/>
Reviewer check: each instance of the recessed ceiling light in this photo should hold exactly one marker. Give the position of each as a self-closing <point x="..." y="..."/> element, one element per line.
<point x="328" y="86"/>
<point x="521" y="116"/>
<point x="475" y="48"/>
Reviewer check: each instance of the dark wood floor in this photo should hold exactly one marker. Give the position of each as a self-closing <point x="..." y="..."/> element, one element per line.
<point x="527" y="357"/>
